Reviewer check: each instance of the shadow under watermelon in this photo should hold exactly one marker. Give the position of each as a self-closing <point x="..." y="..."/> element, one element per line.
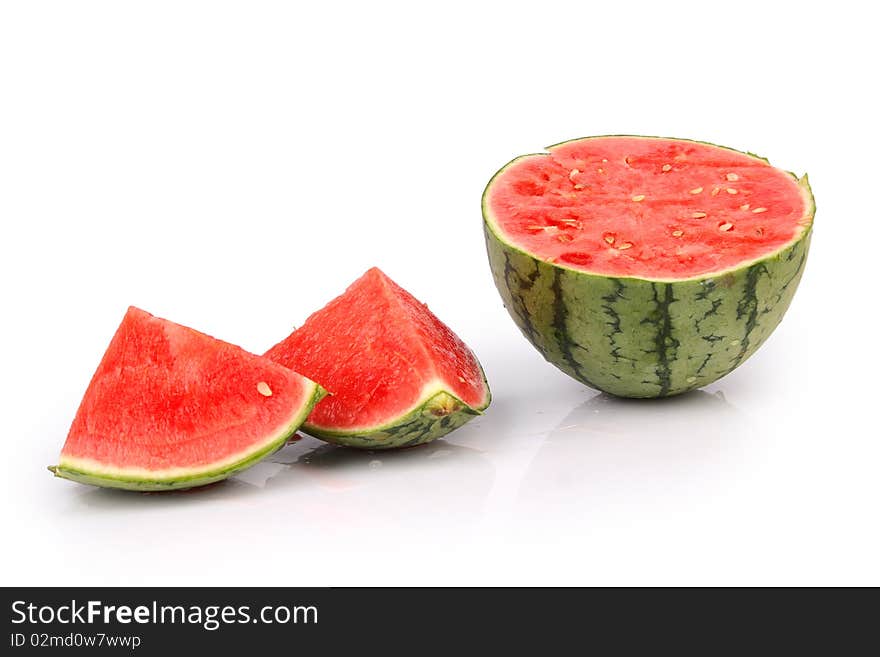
<point x="439" y="472"/>
<point x="429" y="485"/>
<point x="111" y="499"/>
<point x="611" y="459"/>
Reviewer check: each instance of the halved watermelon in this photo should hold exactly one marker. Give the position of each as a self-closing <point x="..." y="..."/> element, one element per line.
<point x="644" y="266"/>
<point x="397" y="375"/>
<point x="169" y="407"/>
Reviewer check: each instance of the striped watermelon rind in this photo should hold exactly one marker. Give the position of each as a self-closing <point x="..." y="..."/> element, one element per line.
<point x="86" y="472"/>
<point x="436" y="414"/>
<point x="640" y="337"/>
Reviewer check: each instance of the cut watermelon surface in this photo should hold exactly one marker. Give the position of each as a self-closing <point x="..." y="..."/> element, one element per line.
<point x="646" y="207"/>
<point x="397" y="375"/>
<point x="169" y="407"/>
<point x="644" y="266"/>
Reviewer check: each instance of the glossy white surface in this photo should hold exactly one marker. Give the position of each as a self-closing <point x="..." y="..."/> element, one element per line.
<point x="233" y="168"/>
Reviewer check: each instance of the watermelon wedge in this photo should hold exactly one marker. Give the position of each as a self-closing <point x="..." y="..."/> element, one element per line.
<point x="397" y="375"/>
<point x="645" y="266"/>
<point x="169" y="407"/>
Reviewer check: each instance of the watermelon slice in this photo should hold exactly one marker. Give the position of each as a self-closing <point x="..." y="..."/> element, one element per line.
<point x="643" y="266"/>
<point x="397" y="375"/>
<point x="170" y="407"/>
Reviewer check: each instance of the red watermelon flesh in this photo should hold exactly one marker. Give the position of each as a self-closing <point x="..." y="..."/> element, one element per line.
<point x="172" y="407"/>
<point x="379" y="352"/>
<point x="646" y="207"/>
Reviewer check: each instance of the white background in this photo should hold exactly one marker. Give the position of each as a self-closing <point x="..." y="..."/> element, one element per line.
<point x="233" y="166"/>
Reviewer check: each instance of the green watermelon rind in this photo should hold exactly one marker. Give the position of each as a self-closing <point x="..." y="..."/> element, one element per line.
<point x="198" y="477"/>
<point x="618" y="334"/>
<point x="435" y="415"/>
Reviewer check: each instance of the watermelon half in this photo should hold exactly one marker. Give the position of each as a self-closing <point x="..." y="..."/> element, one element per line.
<point x="170" y="407"/>
<point x="397" y="375"/>
<point x="644" y="266"/>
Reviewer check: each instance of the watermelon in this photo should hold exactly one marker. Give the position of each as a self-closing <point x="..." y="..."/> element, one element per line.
<point x="397" y="375"/>
<point x="169" y="407"/>
<point x="644" y="266"/>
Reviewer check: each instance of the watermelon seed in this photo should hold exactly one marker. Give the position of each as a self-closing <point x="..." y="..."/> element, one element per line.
<point x="666" y="167"/>
<point x="565" y="238"/>
<point x="759" y="231"/>
<point x="578" y="186"/>
<point x="744" y="207"/>
<point x="638" y="197"/>
<point x="698" y="215"/>
<point x="731" y="190"/>
<point x="264" y="389"/>
<point x="732" y="177"/>
<point x="604" y="160"/>
<point x="624" y="246"/>
<point x="600" y="170"/>
<point x="677" y="233"/>
<point x="609" y="238"/>
<point x="715" y="191"/>
<point x="461" y="379"/>
<point x="696" y="190"/>
<point x="573" y="173"/>
<point x="546" y="229"/>
<point x="726" y="226"/>
<point x="759" y="210"/>
<point x="626" y="160"/>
